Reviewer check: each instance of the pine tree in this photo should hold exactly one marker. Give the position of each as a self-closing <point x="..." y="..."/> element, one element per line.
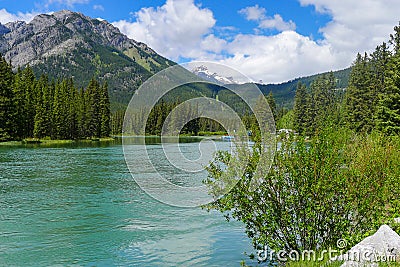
<point x="20" y="107"/>
<point x="105" y="111"/>
<point x="60" y="111"/>
<point x="82" y="117"/>
<point x="379" y="62"/>
<point x="395" y="39"/>
<point x="93" y="98"/>
<point x="72" y="119"/>
<point x="272" y="104"/>
<point x="117" y="120"/>
<point x="322" y="90"/>
<point x="301" y="105"/>
<point x="359" y="110"/>
<point x="388" y="109"/>
<point x="29" y="84"/>
<point x="7" y="109"/>
<point x="43" y="120"/>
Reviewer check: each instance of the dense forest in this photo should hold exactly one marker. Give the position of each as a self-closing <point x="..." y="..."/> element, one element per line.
<point x="40" y="108"/>
<point x="370" y="102"/>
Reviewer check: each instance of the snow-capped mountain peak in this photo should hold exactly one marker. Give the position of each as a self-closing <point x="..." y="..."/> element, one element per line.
<point x="203" y="72"/>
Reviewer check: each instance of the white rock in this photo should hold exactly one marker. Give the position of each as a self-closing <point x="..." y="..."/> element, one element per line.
<point x="383" y="246"/>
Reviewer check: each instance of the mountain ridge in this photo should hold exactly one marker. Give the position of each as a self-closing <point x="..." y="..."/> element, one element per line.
<point x="68" y="44"/>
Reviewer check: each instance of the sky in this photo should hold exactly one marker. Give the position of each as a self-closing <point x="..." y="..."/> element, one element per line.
<point x="271" y="40"/>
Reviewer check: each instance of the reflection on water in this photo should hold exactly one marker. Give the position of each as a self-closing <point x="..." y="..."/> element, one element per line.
<point x="77" y="204"/>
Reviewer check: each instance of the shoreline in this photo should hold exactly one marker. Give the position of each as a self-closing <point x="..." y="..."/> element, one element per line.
<point x="39" y="142"/>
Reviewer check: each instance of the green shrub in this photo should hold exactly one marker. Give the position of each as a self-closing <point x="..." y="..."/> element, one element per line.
<point x="337" y="186"/>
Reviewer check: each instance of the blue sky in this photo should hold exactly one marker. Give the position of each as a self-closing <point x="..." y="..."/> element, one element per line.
<point x="270" y="40"/>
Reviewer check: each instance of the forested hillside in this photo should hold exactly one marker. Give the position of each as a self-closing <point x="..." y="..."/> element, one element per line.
<point x="56" y="109"/>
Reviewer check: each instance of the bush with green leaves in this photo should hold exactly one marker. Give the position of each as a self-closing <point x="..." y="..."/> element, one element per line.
<point x="337" y="186"/>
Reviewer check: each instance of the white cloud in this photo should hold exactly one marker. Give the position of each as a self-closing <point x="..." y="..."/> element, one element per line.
<point x="257" y="13"/>
<point x="253" y="12"/>
<point x="98" y="7"/>
<point x="69" y="3"/>
<point x="357" y="25"/>
<point x="280" y="57"/>
<point x="175" y="29"/>
<point x="277" y="23"/>
<point x="181" y="29"/>
<point x="5" y="16"/>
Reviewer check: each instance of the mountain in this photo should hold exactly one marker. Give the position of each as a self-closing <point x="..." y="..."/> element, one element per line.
<point x="284" y="92"/>
<point x="70" y="44"/>
<point x="203" y="72"/>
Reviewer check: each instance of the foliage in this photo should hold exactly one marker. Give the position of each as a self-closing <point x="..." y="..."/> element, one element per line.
<point x="343" y="182"/>
<point x="388" y="108"/>
<point x="338" y="185"/>
<point x="314" y="105"/>
<point x="7" y="107"/>
<point x="373" y="96"/>
<point x="39" y="108"/>
<point x="301" y="105"/>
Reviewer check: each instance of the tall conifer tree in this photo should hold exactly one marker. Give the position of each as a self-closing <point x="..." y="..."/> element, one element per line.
<point x="7" y="109"/>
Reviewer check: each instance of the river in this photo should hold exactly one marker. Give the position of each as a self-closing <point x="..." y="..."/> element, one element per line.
<point x="78" y="205"/>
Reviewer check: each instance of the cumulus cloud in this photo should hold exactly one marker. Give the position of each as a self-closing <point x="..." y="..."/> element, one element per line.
<point x="357" y="25"/>
<point x="253" y="12"/>
<point x="5" y="16"/>
<point x="175" y="29"/>
<point x="257" y="13"/>
<point x="181" y="30"/>
<point x="279" y="57"/>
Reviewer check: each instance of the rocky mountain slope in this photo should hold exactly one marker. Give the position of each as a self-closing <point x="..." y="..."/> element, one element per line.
<point x="70" y="44"/>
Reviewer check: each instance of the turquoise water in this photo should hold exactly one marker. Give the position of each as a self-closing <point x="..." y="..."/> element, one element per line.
<point x="78" y="205"/>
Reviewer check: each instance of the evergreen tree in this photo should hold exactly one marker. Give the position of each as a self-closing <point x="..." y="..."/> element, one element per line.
<point x="358" y="107"/>
<point x="117" y="121"/>
<point x="72" y="104"/>
<point x="105" y="111"/>
<point x="19" y="103"/>
<point x="82" y="116"/>
<point x="60" y="111"/>
<point x="43" y="119"/>
<point x="301" y="105"/>
<point x="322" y="90"/>
<point x="7" y="109"/>
<point x="379" y="60"/>
<point x="29" y="81"/>
<point x="388" y="109"/>
<point x="93" y="98"/>
<point x="395" y="39"/>
<point x="272" y="104"/>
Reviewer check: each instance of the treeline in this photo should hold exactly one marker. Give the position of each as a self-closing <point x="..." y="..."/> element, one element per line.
<point x="313" y="106"/>
<point x="158" y="116"/>
<point x="159" y="113"/>
<point x="371" y="100"/>
<point x="41" y="108"/>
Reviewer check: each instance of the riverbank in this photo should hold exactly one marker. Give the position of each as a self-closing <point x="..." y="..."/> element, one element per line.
<point x="33" y="141"/>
